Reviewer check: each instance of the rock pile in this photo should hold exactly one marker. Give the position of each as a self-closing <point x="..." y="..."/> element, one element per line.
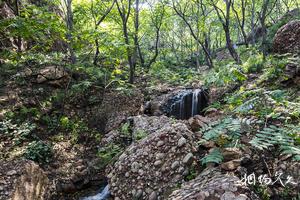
<point x="149" y="169"/>
<point x="287" y="38"/>
<point x="211" y="184"/>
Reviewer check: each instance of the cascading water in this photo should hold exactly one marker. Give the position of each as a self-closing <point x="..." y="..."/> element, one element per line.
<point x="187" y="103"/>
<point x="195" y="102"/>
<point x="103" y="195"/>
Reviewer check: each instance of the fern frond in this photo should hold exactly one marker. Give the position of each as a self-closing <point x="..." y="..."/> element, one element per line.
<point x="215" y="156"/>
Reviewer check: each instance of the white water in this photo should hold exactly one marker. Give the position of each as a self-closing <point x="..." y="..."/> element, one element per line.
<point x="103" y="195"/>
<point x="195" y="101"/>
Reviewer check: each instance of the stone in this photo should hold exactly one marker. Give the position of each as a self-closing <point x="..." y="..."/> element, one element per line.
<point x="287" y="38"/>
<point x="157" y="163"/>
<point x="32" y="183"/>
<point x="157" y="172"/>
<point x="188" y="158"/>
<point x="160" y="155"/>
<point x="197" y="122"/>
<point x="181" y="142"/>
<point x="231" y="165"/>
<point x="210" y="184"/>
<point x="231" y="154"/>
<point x="53" y="75"/>
<point x="138" y="194"/>
<point x="11" y="172"/>
<point x="153" y="196"/>
<point x="175" y="165"/>
<point x="228" y="196"/>
<point x="160" y="143"/>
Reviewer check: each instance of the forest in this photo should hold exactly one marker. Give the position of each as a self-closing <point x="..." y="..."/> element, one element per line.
<point x="149" y="99"/>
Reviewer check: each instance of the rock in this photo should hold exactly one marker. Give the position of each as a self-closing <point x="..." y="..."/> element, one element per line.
<point x="231" y="165"/>
<point x="188" y="158"/>
<point x="160" y="166"/>
<point x="175" y="165"/>
<point x="231" y="154"/>
<point x="25" y="181"/>
<point x="212" y="184"/>
<point x="181" y="142"/>
<point x="53" y="75"/>
<point x="11" y="172"/>
<point x="153" y="196"/>
<point x="157" y="163"/>
<point x="197" y="122"/>
<point x="160" y="143"/>
<point x="287" y="38"/>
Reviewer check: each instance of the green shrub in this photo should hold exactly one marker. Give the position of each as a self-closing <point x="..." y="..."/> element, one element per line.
<point x="39" y="152"/>
<point x="18" y="132"/>
<point x="254" y="64"/>
<point x="108" y="153"/>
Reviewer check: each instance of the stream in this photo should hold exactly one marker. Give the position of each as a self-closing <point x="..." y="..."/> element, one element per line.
<point x="103" y="195"/>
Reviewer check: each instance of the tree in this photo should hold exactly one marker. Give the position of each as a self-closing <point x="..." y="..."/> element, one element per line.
<point x="181" y="11"/>
<point x="224" y="18"/>
<point x="68" y="17"/>
<point x="124" y="9"/>
<point x="99" y="16"/>
<point x="241" y="17"/>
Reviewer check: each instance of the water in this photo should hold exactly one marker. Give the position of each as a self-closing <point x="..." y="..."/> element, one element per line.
<point x="103" y="195"/>
<point x="188" y="103"/>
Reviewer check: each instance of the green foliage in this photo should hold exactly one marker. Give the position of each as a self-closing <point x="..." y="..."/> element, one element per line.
<point x="254" y="64"/>
<point x="39" y="151"/>
<point x="262" y="191"/>
<point x="225" y="75"/>
<point x="125" y="129"/>
<point x="140" y="134"/>
<point x="215" y="156"/>
<point x="163" y="71"/>
<point x="107" y="154"/>
<point x="263" y="103"/>
<point x="278" y="136"/>
<point x="18" y="132"/>
<point x="227" y="126"/>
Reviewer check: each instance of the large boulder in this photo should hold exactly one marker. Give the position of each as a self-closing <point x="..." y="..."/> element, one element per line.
<point x="150" y="168"/>
<point x="23" y="180"/>
<point x="287" y="38"/>
<point x="212" y="184"/>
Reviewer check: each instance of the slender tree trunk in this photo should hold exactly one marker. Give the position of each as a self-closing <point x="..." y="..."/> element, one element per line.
<point x="69" y="21"/>
<point x="252" y="22"/>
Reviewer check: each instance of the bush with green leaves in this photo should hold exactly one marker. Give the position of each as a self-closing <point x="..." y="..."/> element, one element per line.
<point x="18" y="132"/>
<point x="223" y="75"/>
<point x="39" y="152"/>
<point x="107" y="153"/>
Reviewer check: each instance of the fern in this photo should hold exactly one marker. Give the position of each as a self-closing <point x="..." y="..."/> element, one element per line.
<point x="215" y="156"/>
<point x="228" y="126"/>
<point x="283" y="137"/>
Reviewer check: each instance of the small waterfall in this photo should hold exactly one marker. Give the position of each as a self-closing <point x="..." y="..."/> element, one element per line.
<point x="195" y="102"/>
<point x="187" y="103"/>
<point x="103" y="195"/>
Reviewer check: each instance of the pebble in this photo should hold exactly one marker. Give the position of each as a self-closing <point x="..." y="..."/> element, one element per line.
<point x="157" y="163"/>
<point x="160" y="143"/>
<point x="181" y="142"/>
<point x="11" y="172"/>
<point x="175" y="165"/>
<point x="138" y="194"/>
<point x="160" y="155"/>
<point x="153" y="196"/>
<point x="187" y="158"/>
